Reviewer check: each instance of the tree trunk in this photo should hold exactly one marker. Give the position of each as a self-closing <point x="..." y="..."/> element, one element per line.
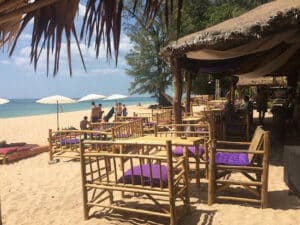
<point x="176" y="67"/>
<point x="188" y="91"/>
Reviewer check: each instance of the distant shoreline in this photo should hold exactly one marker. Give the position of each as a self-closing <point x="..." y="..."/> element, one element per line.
<point x="18" y="108"/>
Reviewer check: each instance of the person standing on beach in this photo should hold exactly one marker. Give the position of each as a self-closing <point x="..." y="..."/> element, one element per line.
<point x="261" y="104"/>
<point x="124" y="110"/>
<point x="94" y="113"/>
<point x="119" y="109"/>
<point x="84" y="123"/>
<point x="100" y="112"/>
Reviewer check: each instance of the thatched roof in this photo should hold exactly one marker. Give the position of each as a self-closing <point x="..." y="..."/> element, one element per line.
<point x="54" y="19"/>
<point x="260" y="22"/>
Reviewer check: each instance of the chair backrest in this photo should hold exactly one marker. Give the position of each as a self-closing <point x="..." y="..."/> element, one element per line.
<point x="257" y="139"/>
<point x="128" y="130"/>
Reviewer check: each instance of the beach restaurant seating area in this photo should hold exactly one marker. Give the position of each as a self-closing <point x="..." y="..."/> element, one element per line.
<point x="119" y="160"/>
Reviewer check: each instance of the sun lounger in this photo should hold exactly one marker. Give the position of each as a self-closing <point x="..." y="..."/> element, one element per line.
<point x="16" y="151"/>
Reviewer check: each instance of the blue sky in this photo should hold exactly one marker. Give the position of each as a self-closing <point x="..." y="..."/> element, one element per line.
<point x="19" y="80"/>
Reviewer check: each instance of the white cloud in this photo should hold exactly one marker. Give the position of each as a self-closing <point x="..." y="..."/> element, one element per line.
<point x="25" y="37"/>
<point x="5" y="62"/>
<point x="81" y="10"/>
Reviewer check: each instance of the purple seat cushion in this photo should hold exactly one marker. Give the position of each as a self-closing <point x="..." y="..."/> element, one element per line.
<point x="7" y="150"/>
<point x="201" y="131"/>
<point x="178" y="151"/>
<point x="137" y="178"/>
<point x="232" y="159"/>
<point x="69" y="141"/>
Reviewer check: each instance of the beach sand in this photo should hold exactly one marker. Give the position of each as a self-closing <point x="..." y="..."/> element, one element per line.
<point x="36" y="193"/>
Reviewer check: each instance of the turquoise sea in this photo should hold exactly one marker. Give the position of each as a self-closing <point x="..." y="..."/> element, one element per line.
<point x="29" y="107"/>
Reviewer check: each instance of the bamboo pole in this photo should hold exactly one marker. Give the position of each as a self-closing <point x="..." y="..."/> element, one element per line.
<point x="265" y="175"/>
<point x="50" y="145"/>
<point x="211" y="173"/>
<point x="172" y="197"/>
<point x="83" y="177"/>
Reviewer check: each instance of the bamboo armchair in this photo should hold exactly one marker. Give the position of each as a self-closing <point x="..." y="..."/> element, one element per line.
<point x="197" y="154"/>
<point x="65" y="143"/>
<point x="162" y="179"/>
<point x="248" y="170"/>
<point x="238" y="127"/>
<point x="104" y="126"/>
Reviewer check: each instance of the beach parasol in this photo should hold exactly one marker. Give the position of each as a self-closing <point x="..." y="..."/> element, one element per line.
<point x="115" y="97"/>
<point x="3" y="101"/>
<point x="56" y="99"/>
<point x="91" y="97"/>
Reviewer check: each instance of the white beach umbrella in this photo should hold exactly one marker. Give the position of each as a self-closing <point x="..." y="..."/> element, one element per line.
<point x="56" y="99"/>
<point x="115" y="97"/>
<point x="3" y="101"/>
<point x="91" y="97"/>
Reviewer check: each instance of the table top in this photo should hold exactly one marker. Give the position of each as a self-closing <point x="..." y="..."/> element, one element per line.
<point x="191" y="119"/>
<point x="152" y="140"/>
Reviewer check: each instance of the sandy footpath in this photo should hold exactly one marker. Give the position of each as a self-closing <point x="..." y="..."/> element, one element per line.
<point x="36" y="193"/>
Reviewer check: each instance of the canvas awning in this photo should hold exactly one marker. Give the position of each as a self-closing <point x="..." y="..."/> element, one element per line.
<point x="253" y="47"/>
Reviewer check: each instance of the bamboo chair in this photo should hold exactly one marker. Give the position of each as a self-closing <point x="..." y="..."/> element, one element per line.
<point x="65" y="143"/>
<point x="197" y="154"/>
<point x="238" y="128"/>
<point x="162" y="179"/>
<point x="252" y="164"/>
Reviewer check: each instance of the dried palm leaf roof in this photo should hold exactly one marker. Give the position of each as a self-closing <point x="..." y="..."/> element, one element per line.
<point x="264" y="20"/>
<point x="54" y="19"/>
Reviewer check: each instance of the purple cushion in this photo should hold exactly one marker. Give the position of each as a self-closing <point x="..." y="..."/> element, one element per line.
<point x="69" y="141"/>
<point x="233" y="159"/>
<point x="137" y="178"/>
<point x="178" y="151"/>
<point x="7" y="150"/>
<point x="201" y="131"/>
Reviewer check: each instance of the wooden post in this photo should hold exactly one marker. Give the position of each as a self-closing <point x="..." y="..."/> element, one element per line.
<point x="211" y="173"/>
<point x="50" y="145"/>
<point x="188" y="92"/>
<point x="265" y="175"/>
<point x="83" y="177"/>
<point x="176" y="66"/>
<point x="170" y="183"/>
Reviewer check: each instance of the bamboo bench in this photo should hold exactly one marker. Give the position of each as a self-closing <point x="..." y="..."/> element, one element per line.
<point x="162" y="179"/>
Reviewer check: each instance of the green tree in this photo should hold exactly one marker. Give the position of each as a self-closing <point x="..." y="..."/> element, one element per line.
<point x="149" y="72"/>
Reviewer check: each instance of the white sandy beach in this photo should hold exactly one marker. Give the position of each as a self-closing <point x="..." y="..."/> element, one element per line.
<point x="36" y="193"/>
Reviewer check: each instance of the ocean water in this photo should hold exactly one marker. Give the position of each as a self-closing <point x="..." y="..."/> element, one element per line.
<point x="29" y="107"/>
